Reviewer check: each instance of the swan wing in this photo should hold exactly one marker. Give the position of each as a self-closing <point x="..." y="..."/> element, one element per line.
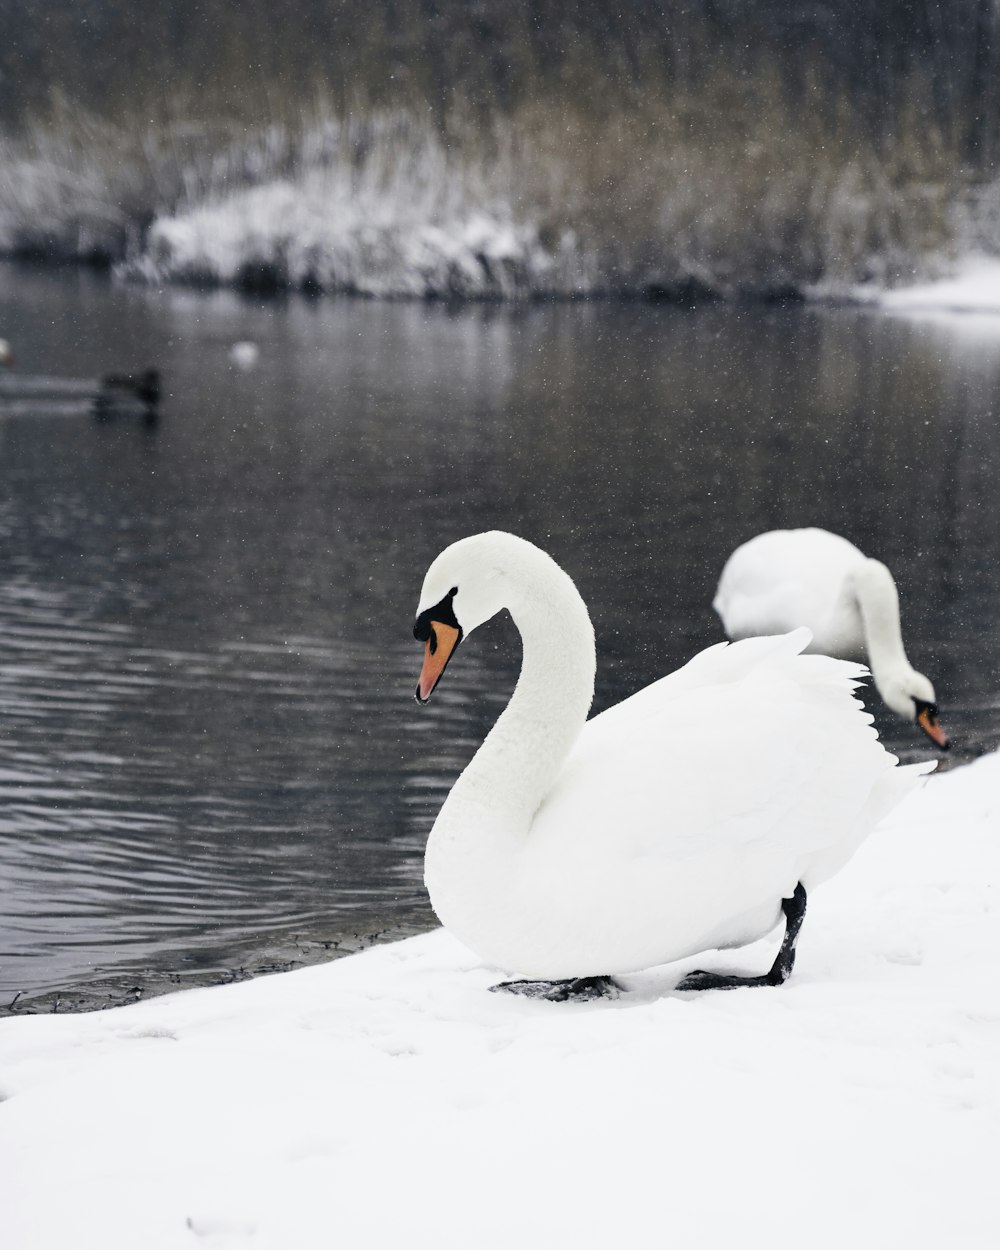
<point x="749" y="744"/>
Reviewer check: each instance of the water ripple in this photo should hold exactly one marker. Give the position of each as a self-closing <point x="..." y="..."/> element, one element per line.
<point x="206" y="672"/>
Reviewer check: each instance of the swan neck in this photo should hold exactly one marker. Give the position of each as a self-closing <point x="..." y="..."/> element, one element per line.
<point x="878" y="600"/>
<point x="520" y="757"/>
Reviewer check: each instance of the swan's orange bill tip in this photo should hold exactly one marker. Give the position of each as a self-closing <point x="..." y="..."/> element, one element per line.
<point x="437" y="653"/>
<point x="931" y="726"/>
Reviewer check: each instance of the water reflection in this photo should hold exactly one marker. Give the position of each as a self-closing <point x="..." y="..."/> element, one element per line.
<point x="206" y="671"/>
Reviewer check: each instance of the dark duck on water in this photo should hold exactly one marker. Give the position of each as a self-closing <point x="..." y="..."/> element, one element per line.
<point x="111" y="395"/>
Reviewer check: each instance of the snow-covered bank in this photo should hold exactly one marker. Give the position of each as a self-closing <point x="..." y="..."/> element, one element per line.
<point x="380" y="206"/>
<point x="671" y="197"/>
<point x="431" y="222"/>
<point x="319" y="235"/>
<point x="388" y="1099"/>
<point x="974" y="287"/>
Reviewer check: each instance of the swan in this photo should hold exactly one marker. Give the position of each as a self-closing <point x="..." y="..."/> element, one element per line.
<point x="687" y="818"/>
<point x="810" y="577"/>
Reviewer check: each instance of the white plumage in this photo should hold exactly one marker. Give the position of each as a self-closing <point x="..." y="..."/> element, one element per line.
<point x="787" y="578"/>
<point x="675" y="822"/>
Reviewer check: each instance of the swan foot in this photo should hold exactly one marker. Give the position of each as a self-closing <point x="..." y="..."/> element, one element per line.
<point x="795" y="910"/>
<point x="717" y="981"/>
<point x="575" y="990"/>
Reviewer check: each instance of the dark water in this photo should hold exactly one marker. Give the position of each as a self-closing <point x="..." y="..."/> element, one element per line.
<point x="211" y="755"/>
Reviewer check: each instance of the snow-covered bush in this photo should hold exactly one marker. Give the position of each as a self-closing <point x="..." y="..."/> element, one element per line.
<point x="732" y="190"/>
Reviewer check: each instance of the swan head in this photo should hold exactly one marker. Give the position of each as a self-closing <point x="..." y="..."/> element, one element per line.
<point x="468" y="584"/>
<point x="6" y="355"/>
<point x="438" y="627"/>
<point x="910" y="695"/>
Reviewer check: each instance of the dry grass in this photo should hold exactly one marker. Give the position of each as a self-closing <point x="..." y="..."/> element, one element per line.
<point x="739" y="187"/>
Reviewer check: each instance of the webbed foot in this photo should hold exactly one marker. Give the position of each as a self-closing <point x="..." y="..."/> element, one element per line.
<point x="718" y="981"/>
<point x="795" y="910"/>
<point x="576" y="990"/>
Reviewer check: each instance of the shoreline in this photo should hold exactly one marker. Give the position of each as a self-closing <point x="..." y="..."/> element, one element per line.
<point x="281" y="1111"/>
<point x="113" y="989"/>
<point x="969" y="286"/>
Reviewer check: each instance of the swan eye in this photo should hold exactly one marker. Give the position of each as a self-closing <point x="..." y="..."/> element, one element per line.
<point x="442" y="611"/>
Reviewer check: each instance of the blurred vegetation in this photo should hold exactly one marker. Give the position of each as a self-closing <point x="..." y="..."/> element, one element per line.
<point x="722" y="143"/>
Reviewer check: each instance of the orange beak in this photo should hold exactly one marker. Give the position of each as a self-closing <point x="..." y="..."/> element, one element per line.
<point x="929" y="723"/>
<point x="440" y="647"/>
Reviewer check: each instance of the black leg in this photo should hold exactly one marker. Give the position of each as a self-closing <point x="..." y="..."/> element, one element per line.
<point x="795" y="910"/>
<point x="576" y="990"/>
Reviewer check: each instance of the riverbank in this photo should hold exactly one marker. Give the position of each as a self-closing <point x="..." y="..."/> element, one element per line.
<point x="973" y="286"/>
<point x="732" y="194"/>
<point x="452" y="151"/>
<point x="262" y="958"/>
<point x="388" y="1097"/>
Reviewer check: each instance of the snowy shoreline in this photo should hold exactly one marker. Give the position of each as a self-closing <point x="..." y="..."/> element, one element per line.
<point x="388" y="1098"/>
<point x="122" y="986"/>
<point x="972" y="287"/>
<point x="488" y="256"/>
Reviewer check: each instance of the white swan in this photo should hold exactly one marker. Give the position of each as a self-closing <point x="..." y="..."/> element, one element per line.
<point x="786" y="578"/>
<point x="686" y="818"/>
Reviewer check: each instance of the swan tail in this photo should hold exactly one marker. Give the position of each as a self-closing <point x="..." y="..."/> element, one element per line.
<point x="893" y="786"/>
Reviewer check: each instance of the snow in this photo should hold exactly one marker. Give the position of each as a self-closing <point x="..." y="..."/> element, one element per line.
<point x="387" y="1099"/>
<point x="325" y="231"/>
<point x="974" y="287"/>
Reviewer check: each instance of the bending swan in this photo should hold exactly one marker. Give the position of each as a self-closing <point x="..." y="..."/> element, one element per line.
<point x="786" y="578"/>
<point x="687" y="818"/>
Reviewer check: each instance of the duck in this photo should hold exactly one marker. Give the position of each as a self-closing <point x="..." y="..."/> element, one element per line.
<point x="125" y="392"/>
<point x="112" y="394"/>
<point x="785" y="578"/>
<point x="693" y="816"/>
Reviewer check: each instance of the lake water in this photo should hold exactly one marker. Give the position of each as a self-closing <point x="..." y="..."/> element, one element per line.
<point x="212" y="761"/>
